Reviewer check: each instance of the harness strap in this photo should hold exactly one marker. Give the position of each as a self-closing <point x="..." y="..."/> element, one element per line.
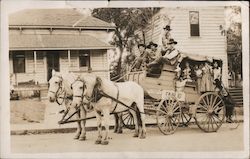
<point x="116" y="98"/>
<point x="129" y="107"/>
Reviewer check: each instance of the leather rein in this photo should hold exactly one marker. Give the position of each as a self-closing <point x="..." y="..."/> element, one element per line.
<point x="58" y="91"/>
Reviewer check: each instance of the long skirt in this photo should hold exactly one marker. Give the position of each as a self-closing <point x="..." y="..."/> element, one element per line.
<point x="206" y="83"/>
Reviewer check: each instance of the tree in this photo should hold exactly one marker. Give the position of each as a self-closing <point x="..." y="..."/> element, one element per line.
<point x="234" y="37"/>
<point x="127" y="21"/>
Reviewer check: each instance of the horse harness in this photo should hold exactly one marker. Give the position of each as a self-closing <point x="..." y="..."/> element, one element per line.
<point x="97" y="93"/>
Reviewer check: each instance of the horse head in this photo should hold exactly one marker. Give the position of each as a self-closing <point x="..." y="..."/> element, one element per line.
<point x="55" y="83"/>
<point x="83" y="89"/>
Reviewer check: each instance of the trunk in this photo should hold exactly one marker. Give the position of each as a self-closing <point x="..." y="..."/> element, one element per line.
<point x="119" y="64"/>
<point x="120" y="46"/>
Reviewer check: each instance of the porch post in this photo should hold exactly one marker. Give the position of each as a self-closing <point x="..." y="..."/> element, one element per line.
<point x="69" y="62"/>
<point x="35" y="65"/>
<point x="45" y="66"/>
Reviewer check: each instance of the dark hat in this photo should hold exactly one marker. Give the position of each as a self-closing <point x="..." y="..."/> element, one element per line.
<point x="171" y="41"/>
<point x="151" y="43"/>
<point x="143" y="45"/>
<point x="167" y="27"/>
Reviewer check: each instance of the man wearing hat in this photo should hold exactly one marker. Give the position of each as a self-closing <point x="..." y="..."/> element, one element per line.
<point x="142" y="58"/>
<point x="165" y="39"/>
<point x="153" y="52"/>
<point x="171" y="55"/>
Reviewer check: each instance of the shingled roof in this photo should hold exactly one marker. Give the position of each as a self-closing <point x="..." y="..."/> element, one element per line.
<point x="55" y="18"/>
<point x="55" y="42"/>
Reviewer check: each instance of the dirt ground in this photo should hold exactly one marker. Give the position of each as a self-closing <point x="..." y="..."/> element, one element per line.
<point x="26" y="111"/>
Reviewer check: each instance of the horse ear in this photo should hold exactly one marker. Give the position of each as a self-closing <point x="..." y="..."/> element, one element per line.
<point x="53" y="72"/>
<point x="98" y="81"/>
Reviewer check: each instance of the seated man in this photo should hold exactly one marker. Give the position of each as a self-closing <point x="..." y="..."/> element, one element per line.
<point x="142" y="58"/>
<point x="153" y="54"/>
<point x="172" y="55"/>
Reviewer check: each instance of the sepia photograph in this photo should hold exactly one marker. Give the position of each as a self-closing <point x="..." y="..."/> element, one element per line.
<point x="125" y="79"/>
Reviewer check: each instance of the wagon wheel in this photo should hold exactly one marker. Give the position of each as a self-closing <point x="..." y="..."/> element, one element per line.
<point x="128" y="120"/>
<point x="210" y="112"/>
<point x="168" y="115"/>
<point x="185" y="119"/>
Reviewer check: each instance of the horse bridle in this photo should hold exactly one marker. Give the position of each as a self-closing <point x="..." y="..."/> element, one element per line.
<point x="94" y="94"/>
<point x="84" y="87"/>
<point x="56" y="93"/>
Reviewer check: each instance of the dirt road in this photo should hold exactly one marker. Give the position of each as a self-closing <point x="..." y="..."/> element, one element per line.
<point x="185" y="139"/>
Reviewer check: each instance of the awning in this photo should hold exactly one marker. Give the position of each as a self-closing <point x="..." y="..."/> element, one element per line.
<point x="55" y="42"/>
<point x="196" y="57"/>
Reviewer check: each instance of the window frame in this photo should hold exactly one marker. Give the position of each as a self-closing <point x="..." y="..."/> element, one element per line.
<point x="194" y="32"/>
<point x="81" y="52"/>
<point x="14" y="58"/>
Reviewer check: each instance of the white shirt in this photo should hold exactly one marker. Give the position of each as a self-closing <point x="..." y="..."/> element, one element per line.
<point x="217" y="73"/>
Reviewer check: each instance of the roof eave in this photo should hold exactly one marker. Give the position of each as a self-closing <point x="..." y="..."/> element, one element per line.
<point x="85" y="48"/>
<point x="61" y="27"/>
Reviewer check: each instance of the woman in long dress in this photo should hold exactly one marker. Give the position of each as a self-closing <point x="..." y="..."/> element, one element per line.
<point x="207" y="79"/>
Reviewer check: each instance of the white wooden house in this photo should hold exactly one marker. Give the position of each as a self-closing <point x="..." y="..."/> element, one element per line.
<point x="62" y="39"/>
<point x="196" y="29"/>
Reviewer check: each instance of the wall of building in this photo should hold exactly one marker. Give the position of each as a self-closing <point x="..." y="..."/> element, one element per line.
<point x="98" y="60"/>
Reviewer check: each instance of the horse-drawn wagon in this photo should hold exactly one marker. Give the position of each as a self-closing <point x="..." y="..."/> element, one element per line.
<point x="175" y="106"/>
<point x="173" y="99"/>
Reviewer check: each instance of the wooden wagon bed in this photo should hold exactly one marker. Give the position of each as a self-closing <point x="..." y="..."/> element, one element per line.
<point x="153" y="86"/>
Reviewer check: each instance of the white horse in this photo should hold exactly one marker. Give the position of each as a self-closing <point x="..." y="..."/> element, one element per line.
<point x="61" y="83"/>
<point x="90" y="88"/>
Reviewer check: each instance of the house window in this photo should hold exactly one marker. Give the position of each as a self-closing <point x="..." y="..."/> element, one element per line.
<point x="19" y="62"/>
<point x="194" y="23"/>
<point x="84" y="58"/>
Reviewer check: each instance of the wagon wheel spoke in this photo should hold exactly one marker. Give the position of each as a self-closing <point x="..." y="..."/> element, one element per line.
<point x="204" y="102"/>
<point x="185" y="118"/>
<point x="203" y="107"/>
<point x="128" y="120"/>
<point x="217" y="104"/>
<point x="216" y="97"/>
<point x="214" y="122"/>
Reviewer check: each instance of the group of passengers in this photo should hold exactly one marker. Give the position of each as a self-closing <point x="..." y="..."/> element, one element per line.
<point x="151" y="56"/>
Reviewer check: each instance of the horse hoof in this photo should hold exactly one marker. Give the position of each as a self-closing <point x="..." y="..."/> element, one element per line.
<point x="135" y="135"/>
<point x="105" y="142"/>
<point x="142" y="137"/>
<point x="76" y="137"/>
<point x="119" y="132"/>
<point x="98" y="142"/>
<point x="82" y="138"/>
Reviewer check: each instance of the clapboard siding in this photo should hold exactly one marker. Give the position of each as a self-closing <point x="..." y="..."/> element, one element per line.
<point x="74" y="60"/>
<point x="209" y="43"/>
<point x="98" y="60"/>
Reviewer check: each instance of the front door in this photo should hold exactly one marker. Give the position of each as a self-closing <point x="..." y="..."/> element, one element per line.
<point x="52" y="62"/>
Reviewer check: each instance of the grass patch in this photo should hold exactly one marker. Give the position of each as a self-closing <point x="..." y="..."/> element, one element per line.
<point x="26" y="111"/>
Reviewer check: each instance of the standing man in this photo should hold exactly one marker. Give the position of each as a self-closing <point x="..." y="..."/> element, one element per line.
<point x="165" y="39"/>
